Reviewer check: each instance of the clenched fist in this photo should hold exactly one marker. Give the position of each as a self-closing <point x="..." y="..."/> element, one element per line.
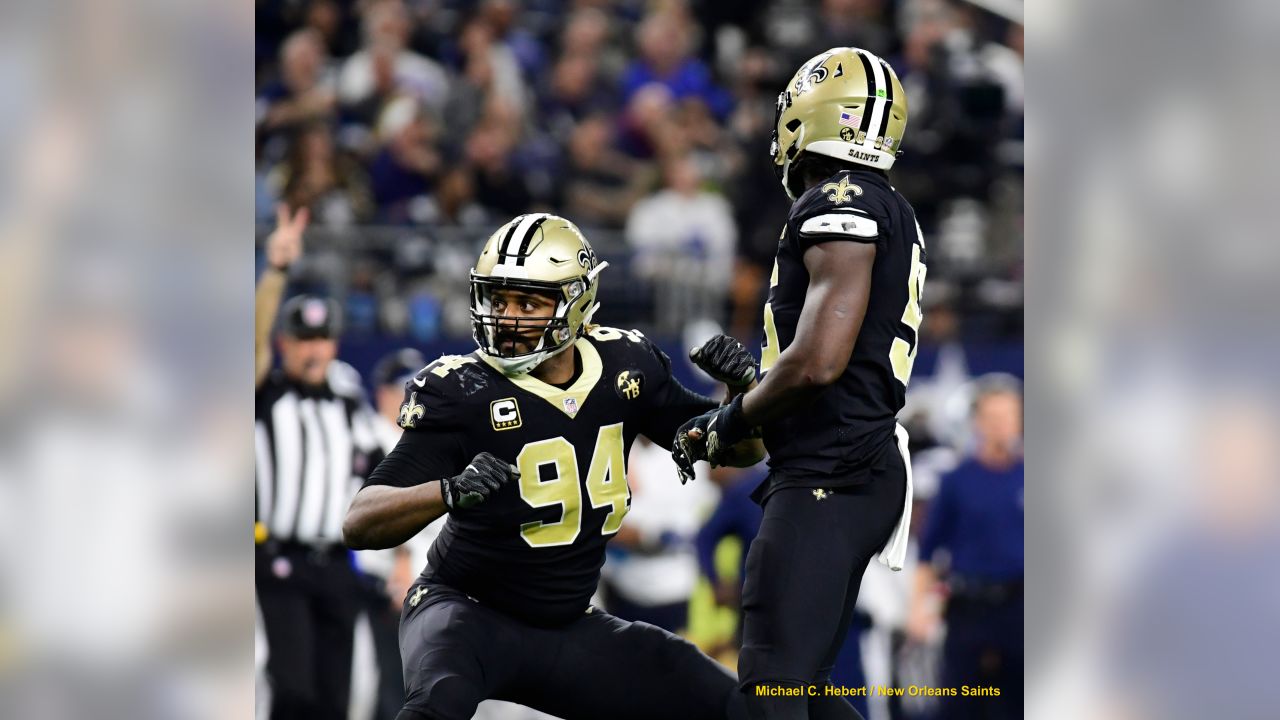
<point x="726" y="360"/>
<point x="474" y="485"/>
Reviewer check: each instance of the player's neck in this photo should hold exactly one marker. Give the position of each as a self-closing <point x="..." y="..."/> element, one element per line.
<point x="813" y="179"/>
<point x="557" y="369"/>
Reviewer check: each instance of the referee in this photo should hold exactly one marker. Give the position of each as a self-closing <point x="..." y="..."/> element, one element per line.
<point x="314" y="441"/>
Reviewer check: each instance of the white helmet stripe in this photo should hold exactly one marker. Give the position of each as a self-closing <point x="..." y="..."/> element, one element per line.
<point x="865" y="126"/>
<point x="504" y="248"/>
<point x="516" y="241"/>
<point x="527" y="238"/>
<point x="877" y="107"/>
<point x="887" y="105"/>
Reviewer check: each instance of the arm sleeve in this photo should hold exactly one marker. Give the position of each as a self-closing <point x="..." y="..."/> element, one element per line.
<point x="671" y="403"/>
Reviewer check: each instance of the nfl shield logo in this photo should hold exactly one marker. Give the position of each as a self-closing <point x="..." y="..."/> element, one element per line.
<point x="571" y="406"/>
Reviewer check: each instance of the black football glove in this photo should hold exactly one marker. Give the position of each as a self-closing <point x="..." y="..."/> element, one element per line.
<point x="474" y="485"/>
<point x="726" y="360"/>
<point x="709" y="437"/>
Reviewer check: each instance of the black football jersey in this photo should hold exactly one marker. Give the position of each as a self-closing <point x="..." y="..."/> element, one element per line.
<point x="534" y="549"/>
<point x="851" y="422"/>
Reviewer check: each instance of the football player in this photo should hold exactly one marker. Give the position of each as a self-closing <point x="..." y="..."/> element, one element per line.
<point x="840" y="337"/>
<point x="524" y="444"/>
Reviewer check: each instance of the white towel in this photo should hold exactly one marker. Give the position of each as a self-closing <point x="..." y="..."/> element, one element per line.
<point x="894" y="552"/>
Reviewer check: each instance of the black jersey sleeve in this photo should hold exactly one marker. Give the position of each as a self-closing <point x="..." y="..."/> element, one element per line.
<point x="840" y="209"/>
<point x="419" y="457"/>
<point x="670" y="403"/>
<point x="431" y="446"/>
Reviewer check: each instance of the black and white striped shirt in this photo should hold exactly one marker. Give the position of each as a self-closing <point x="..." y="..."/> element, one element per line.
<point x="314" y="448"/>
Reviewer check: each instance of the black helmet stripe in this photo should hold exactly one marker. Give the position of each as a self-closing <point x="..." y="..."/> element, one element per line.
<point x="528" y="238"/>
<point x="888" y="101"/>
<point x="516" y="242"/>
<point x="865" y="126"/>
<point x="504" y="249"/>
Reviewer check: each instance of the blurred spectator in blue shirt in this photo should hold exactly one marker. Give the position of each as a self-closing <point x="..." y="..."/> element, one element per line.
<point x="573" y="93"/>
<point x="977" y="519"/>
<point x="647" y="128"/>
<point x="404" y="170"/>
<point x="486" y="74"/>
<point x="664" y="40"/>
<point x="489" y="150"/>
<point x="387" y="26"/>
<point x="454" y="204"/>
<point x="525" y="48"/>
<point x="599" y="185"/>
<point x="977" y="516"/>
<point x="736" y="516"/>
<point x="302" y="94"/>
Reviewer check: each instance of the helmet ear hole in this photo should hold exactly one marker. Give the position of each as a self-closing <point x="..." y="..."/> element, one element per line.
<point x="793" y="125"/>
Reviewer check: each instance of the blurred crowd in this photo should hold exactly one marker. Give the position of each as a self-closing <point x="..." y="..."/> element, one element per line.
<point x="646" y="123"/>
<point x="411" y="129"/>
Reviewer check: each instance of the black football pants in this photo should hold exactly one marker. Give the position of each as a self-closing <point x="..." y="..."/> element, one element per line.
<point x="457" y="652"/>
<point x="309" y="602"/>
<point x="803" y="574"/>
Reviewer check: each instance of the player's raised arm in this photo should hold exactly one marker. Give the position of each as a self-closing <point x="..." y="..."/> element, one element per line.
<point x="284" y="245"/>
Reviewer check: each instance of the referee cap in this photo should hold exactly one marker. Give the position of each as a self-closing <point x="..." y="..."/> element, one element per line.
<point x="308" y="317"/>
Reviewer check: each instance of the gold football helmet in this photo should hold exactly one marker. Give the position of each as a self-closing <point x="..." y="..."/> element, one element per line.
<point x="538" y="253"/>
<point x="845" y="103"/>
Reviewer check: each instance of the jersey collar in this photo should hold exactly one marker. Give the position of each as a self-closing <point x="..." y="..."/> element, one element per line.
<point x="568" y="401"/>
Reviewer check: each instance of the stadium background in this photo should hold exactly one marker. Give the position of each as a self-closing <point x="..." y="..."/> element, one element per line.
<point x="414" y="129"/>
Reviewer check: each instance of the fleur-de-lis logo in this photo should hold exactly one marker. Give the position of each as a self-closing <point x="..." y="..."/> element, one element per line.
<point x="820" y="494"/>
<point x="587" y="257"/>
<point x="842" y="191"/>
<point x="411" y="412"/>
<point x="416" y="597"/>
<point x="812" y="72"/>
